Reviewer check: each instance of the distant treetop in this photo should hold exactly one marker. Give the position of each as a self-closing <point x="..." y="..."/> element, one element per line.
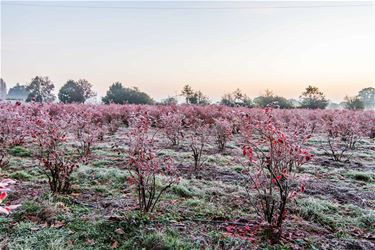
<point x="121" y="95"/>
<point x="76" y="91"/>
<point x="194" y="97"/>
<point x="40" y="90"/>
<point x="313" y="98"/>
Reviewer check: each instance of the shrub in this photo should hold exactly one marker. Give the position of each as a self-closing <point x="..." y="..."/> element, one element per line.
<point x="49" y="135"/>
<point x="172" y="126"/>
<point x="353" y="103"/>
<point x="223" y="132"/>
<point x="144" y="165"/>
<point x="86" y="132"/>
<point x="342" y="133"/>
<point x="272" y="161"/>
<point x="12" y="130"/>
<point x="198" y="140"/>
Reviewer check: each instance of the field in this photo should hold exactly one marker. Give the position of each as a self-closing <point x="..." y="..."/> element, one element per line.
<point x="209" y="201"/>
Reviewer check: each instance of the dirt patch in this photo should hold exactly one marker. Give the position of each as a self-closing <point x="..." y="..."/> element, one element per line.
<point x="341" y="194"/>
<point x="351" y="165"/>
<point x="211" y="173"/>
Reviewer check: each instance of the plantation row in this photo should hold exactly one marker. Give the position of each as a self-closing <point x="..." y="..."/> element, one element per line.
<point x="274" y="145"/>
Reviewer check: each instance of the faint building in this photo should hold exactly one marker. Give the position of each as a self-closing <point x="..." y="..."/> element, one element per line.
<point x="3" y="89"/>
<point x="18" y="93"/>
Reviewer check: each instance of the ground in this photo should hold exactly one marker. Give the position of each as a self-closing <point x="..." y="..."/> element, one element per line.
<point x="206" y="211"/>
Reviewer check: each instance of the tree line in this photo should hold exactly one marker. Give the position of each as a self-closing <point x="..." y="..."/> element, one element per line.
<point x="40" y="89"/>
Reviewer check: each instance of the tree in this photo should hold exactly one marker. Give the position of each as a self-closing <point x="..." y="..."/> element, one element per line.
<point x="40" y="90"/>
<point x="227" y="100"/>
<point x="236" y="98"/>
<point x="70" y="93"/>
<point x="121" y="95"/>
<point x="86" y="88"/>
<point x="115" y="94"/>
<point x="3" y="89"/>
<point x="268" y="99"/>
<point x="18" y="92"/>
<point x="199" y="98"/>
<point x="294" y="103"/>
<point x="268" y="93"/>
<point x="312" y="98"/>
<point x="170" y="100"/>
<point x="275" y="101"/>
<point x="354" y="103"/>
<point x="135" y="96"/>
<point x="194" y="97"/>
<point x="76" y="91"/>
<point x="367" y="96"/>
<point x="188" y="92"/>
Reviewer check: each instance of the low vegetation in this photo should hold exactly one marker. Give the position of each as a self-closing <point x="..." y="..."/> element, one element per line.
<point x="185" y="177"/>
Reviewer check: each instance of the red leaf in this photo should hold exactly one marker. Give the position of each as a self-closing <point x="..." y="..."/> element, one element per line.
<point x="229" y="229"/>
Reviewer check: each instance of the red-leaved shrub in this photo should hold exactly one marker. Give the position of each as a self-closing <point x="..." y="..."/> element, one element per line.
<point x="271" y="164"/>
<point x="144" y="165"/>
<point x="49" y="134"/>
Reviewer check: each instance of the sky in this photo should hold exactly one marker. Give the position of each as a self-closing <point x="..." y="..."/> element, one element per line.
<point x="215" y="47"/>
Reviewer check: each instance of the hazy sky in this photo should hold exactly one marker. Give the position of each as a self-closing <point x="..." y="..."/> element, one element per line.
<point x="160" y="46"/>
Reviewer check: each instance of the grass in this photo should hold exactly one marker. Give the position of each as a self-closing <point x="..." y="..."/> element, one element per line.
<point x="184" y="189"/>
<point x="78" y="231"/>
<point x="335" y="216"/>
<point x="21" y="175"/>
<point x="31" y="237"/>
<point x="102" y="163"/>
<point x="19" y="151"/>
<point x="167" y="240"/>
<point x="80" y="234"/>
<point x="103" y="234"/>
<point x="194" y="203"/>
<point x="220" y="160"/>
<point x="361" y="176"/>
<point x="319" y="211"/>
<point x="103" y="179"/>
